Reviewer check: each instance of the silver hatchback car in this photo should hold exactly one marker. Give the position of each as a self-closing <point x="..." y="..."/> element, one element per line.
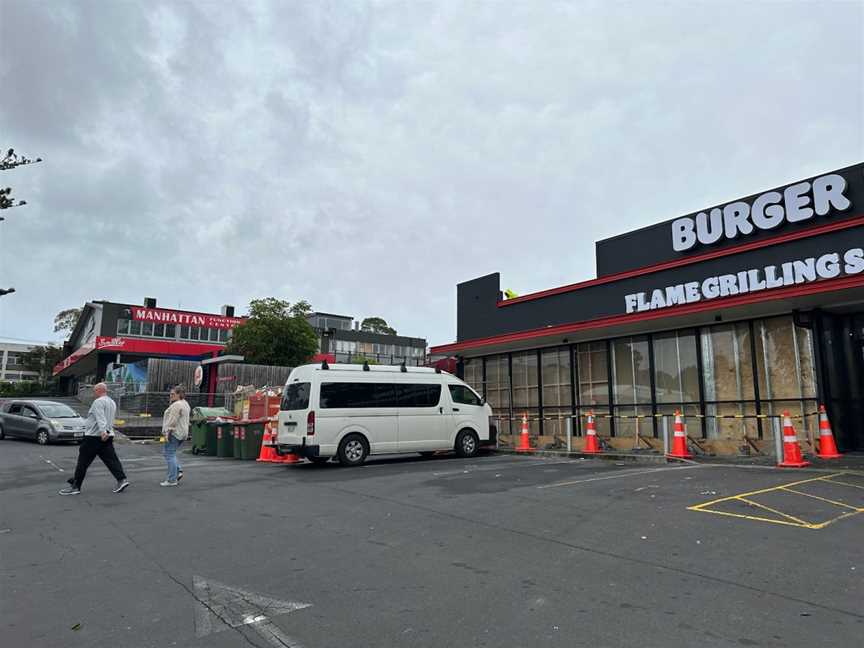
<point x="41" y="420"/>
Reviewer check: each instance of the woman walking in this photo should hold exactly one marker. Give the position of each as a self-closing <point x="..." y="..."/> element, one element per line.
<point x="175" y="429"/>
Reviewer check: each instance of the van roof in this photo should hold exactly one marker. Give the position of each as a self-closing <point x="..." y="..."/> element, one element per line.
<point x="372" y="368"/>
<point x="354" y="369"/>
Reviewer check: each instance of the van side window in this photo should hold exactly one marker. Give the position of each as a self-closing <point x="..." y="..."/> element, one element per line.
<point x="296" y="396"/>
<point x="419" y="395"/>
<point x="357" y="395"/>
<point x="461" y="394"/>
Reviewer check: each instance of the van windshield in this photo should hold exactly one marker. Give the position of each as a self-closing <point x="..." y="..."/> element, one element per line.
<point x="296" y="396"/>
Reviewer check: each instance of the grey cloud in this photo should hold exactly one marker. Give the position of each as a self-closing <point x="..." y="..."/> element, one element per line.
<point x="367" y="156"/>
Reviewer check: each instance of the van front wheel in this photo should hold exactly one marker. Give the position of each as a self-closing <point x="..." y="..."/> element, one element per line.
<point x="353" y="450"/>
<point x="467" y="444"/>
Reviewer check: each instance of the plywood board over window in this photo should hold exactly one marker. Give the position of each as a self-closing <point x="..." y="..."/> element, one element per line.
<point x="786" y="369"/>
<point x="727" y="375"/>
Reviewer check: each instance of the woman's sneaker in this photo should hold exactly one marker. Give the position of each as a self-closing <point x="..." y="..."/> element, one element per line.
<point x="122" y="485"/>
<point x="70" y="490"/>
<point x="168" y="483"/>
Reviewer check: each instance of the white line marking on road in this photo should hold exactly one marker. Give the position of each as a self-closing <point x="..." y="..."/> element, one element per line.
<point x="232" y="607"/>
<point x="620" y="475"/>
<point x="500" y="466"/>
<point x="51" y="463"/>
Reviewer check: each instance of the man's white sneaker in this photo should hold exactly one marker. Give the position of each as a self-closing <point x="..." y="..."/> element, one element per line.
<point x="168" y="483"/>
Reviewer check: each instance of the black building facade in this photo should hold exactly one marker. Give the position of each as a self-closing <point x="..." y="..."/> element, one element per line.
<point x="730" y="314"/>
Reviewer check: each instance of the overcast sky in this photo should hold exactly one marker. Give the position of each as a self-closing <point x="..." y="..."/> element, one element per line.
<point x="367" y="156"/>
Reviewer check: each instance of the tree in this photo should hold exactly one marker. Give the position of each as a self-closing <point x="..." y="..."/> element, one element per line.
<point x="66" y="320"/>
<point x="301" y="308"/>
<point x="360" y="359"/>
<point x="42" y="359"/>
<point x="275" y="333"/>
<point x="377" y="325"/>
<point x="10" y="161"/>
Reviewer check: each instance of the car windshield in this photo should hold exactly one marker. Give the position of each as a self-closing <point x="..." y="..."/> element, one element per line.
<point x="56" y="410"/>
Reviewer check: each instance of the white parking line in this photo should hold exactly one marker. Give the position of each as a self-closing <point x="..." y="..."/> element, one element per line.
<point x="621" y="474"/>
<point x="51" y="463"/>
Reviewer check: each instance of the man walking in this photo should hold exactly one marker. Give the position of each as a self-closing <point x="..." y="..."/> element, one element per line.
<point x="175" y="428"/>
<point x="98" y="442"/>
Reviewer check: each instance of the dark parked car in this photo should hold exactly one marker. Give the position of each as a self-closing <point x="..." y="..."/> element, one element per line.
<point x="42" y="421"/>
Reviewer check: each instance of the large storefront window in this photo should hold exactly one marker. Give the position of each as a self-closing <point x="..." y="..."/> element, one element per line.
<point x="592" y="371"/>
<point x="785" y="366"/>
<point x="473" y="374"/>
<point x="676" y="373"/>
<point x="525" y="389"/>
<point x="631" y="386"/>
<point x="498" y="388"/>
<point x="556" y="391"/>
<point x="727" y="375"/>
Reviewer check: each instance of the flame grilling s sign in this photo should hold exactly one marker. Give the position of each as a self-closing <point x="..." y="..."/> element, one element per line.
<point x="798" y="202"/>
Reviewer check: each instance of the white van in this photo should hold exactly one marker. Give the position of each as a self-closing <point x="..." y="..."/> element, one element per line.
<point x="352" y="411"/>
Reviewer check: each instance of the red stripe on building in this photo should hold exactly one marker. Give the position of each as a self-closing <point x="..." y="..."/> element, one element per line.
<point x="141" y="346"/>
<point x="829" y="285"/>
<point x="666" y="265"/>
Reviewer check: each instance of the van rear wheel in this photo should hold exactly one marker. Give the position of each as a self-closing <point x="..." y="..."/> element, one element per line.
<point x="467" y="444"/>
<point x="353" y="450"/>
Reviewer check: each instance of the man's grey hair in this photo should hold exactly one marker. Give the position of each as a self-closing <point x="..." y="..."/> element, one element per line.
<point x="180" y="390"/>
<point x="99" y="386"/>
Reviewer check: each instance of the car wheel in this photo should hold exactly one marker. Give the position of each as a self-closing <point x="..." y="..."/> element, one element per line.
<point x="319" y="461"/>
<point x="42" y="437"/>
<point x="467" y="444"/>
<point x="353" y="450"/>
<point x="2" y="433"/>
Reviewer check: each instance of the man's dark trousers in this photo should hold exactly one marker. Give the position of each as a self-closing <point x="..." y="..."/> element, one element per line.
<point x="92" y="447"/>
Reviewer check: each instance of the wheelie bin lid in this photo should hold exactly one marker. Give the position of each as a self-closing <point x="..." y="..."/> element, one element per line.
<point x="204" y="413"/>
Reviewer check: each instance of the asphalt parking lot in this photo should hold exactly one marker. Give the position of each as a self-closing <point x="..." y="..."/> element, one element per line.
<point x="494" y="551"/>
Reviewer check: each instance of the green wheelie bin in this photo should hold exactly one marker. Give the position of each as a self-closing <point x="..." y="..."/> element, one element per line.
<point x="198" y="428"/>
<point x="253" y="434"/>
<point x="237" y="430"/>
<point x="224" y="438"/>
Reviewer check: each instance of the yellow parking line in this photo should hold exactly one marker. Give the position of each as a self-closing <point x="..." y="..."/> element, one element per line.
<point x="765" y="490"/>
<point x="754" y="518"/>
<point x="824" y="499"/>
<point x="776" y="512"/>
<point x="834" y="481"/>
<point x="822" y="525"/>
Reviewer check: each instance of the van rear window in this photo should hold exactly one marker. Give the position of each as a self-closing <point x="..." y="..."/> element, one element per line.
<point x="362" y="395"/>
<point x="296" y="396"/>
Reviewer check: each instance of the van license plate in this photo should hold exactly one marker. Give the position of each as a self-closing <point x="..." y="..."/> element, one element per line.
<point x="78" y="435"/>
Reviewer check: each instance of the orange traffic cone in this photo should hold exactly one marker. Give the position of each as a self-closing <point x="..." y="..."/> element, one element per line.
<point x="524" y="442"/>
<point x="287" y="458"/>
<point x="679" y="441"/>
<point x="791" y="450"/>
<point x="591" y="444"/>
<point x="827" y="447"/>
<point x="268" y="452"/>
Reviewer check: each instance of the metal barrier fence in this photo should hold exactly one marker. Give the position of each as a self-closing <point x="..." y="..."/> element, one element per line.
<point x="564" y="442"/>
<point x="143" y="404"/>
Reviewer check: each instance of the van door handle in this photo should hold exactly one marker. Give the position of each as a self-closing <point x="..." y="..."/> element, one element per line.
<point x="440" y="410"/>
<point x="455" y="409"/>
